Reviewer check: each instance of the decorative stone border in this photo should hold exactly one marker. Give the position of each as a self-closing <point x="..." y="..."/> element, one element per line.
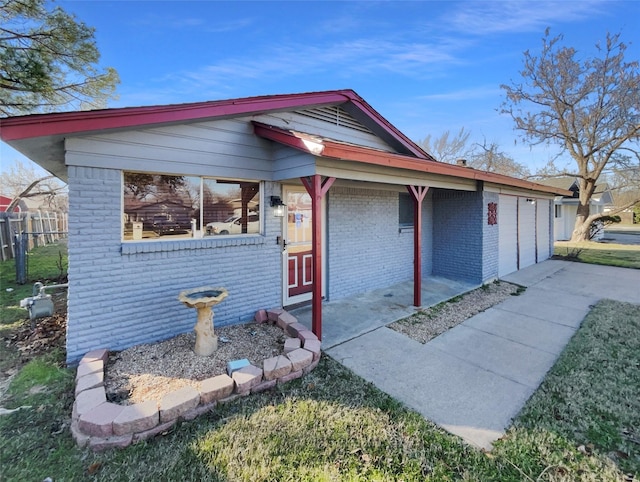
<point x="103" y="425"/>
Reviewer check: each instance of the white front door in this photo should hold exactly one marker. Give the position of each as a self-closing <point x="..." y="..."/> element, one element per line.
<point x="297" y="256"/>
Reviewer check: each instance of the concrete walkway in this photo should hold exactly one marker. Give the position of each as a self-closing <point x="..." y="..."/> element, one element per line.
<point x="473" y="379"/>
<point x="349" y="318"/>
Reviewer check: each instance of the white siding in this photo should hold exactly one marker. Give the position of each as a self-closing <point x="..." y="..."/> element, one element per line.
<point x="224" y="148"/>
<point x="526" y="233"/>
<point x="508" y="234"/>
<point x="542" y="230"/>
<point x="297" y="122"/>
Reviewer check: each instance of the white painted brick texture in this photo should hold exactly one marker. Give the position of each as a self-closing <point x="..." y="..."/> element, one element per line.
<point x="117" y="300"/>
<point x="365" y="248"/>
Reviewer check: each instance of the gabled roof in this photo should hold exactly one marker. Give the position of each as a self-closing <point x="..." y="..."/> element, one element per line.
<point x="40" y="136"/>
<point x="564" y="182"/>
<point x="601" y="192"/>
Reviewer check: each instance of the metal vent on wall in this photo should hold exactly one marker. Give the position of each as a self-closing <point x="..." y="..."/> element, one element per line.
<point x="337" y="116"/>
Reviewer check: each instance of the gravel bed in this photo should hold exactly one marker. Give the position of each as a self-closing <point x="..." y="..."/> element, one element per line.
<point x="150" y="371"/>
<point x="427" y="324"/>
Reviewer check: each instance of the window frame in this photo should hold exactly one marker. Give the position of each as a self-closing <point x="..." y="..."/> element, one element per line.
<point x="200" y="233"/>
<point x="557" y="211"/>
<point x="404" y="200"/>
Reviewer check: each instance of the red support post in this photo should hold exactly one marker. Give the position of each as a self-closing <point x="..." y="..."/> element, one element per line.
<point x="417" y="193"/>
<point x="317" y="188"/>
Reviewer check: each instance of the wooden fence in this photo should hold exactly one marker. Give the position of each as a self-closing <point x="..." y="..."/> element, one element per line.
<point x="41" y="227"/>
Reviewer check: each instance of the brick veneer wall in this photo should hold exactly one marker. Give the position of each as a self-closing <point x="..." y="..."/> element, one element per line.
<point x="122" y="294"/>
<point x="458" y="234"/>
<point x="365" y="248"/>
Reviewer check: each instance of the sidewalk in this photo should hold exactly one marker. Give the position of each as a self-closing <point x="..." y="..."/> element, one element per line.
<point x="473" y="379"/>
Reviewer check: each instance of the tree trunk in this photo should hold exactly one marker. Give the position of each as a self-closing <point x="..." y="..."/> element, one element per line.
<point x="582" y="228"/>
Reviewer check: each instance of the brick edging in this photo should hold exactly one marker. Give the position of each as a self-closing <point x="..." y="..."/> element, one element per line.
<point x="103" y="425"/>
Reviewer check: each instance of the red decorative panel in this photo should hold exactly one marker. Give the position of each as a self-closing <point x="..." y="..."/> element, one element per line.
<point x="492" y="213"/>
<point x="300" y="273"/>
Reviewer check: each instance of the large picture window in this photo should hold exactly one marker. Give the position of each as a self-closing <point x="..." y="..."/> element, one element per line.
<point x="158" y="206"/>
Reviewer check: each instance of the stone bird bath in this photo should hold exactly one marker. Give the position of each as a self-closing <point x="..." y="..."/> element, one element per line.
<point x="203" y="299"/>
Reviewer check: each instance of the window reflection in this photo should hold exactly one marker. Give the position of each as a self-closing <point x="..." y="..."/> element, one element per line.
<point x="158" y="205"/>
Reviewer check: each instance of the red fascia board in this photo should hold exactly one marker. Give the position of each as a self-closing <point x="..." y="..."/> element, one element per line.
<point x="412" y="146"/>
<point x="64" y="123"/>
<point x="369" y="156"/>
<point x="39" y="125"/>
<point x="350" y="152"/>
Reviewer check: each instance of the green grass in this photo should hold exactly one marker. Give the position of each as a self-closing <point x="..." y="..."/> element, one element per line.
<point x="332" y="425"/>
<point x="581" y="425"/>
<point x="46" y="264"/>
<point x="623" y="255"/>
<point x="591" y="395"/>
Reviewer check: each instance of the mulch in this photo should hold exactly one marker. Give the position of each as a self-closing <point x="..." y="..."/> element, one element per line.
<point x="48" y="334"/>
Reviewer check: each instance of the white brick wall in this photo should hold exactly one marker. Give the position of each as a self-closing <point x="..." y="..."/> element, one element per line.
<point x="365" y="249"/>
<point x="123" y="294"/>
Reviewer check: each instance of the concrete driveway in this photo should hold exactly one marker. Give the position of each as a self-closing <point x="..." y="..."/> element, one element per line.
<point x="473" y="379"/>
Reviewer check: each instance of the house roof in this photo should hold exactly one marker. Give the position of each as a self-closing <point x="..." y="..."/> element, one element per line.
<point x="41" y="136"/>
<point x="563" y="182"/>
<point x="322" y="146"/>
<point x="601" y="193"/>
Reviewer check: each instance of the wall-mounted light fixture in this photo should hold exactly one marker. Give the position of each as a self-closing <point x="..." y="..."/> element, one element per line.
<point x="278" y="206"/>
<point x="531" y="201"/>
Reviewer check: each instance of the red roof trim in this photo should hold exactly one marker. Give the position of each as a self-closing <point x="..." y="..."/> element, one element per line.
<point x="38" y="125"/>
<point x="349" y="152"/>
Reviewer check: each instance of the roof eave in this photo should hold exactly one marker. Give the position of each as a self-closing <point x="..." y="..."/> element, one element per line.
<point x="353" y="153"/>
<point x="65" y="123"/>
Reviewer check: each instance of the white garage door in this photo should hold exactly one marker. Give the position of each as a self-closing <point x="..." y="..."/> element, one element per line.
<point x="508" y="235"/>
<point x="526" y="232"/>
<point x="542" y="227"/>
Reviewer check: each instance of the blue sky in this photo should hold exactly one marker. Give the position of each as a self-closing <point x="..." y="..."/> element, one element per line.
<point x="426" y="66"/>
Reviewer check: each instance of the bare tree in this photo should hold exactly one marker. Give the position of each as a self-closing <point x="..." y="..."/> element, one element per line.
<point x="589" y="108"/>
<point x="486" y="156"/>
<point x="489" y="157"/>
<point x="22" y="181"/>
<point x="448" y="148"/>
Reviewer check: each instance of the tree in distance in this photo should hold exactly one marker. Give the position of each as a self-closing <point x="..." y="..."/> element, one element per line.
<point x="589" y="108"/>
<point x="454" y="149"/>
<point x="48" y="61"/>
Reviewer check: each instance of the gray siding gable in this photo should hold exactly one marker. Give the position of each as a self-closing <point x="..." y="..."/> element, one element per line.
<point x="221" y="148"/>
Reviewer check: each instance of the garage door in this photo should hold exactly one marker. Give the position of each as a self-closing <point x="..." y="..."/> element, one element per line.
<point x="508" y="235"/>
<point x="526" y="232"/>
<point x="542" y="228"/>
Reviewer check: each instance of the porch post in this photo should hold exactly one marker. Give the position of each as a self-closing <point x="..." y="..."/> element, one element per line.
<point x="317" y="188"/>
<point x="417" y="193"/>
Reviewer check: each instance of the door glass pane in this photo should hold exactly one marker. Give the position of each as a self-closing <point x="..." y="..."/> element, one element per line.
<point x="299" y="232"/>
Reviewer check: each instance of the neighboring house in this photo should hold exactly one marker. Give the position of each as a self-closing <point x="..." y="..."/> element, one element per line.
<point x="346" y="203"/>
<point x="566" y="207"/>
<point x="33" y="204"/>
<point x="5" y="201"/>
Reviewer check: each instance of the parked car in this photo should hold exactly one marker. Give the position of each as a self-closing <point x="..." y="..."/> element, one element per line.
<point x="233" y="225"/>
<point x="165" y="225"/>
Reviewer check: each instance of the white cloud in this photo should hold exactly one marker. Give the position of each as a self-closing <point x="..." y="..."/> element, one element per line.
<point x="479" y="92"/>
<point x="480" y="18"/>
